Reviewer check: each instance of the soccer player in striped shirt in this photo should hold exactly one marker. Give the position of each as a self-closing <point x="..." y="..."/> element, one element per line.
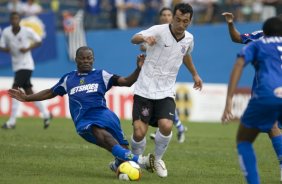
<point x="94" y="122"/>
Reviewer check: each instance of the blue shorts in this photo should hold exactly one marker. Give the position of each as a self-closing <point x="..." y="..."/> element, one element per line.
<point x="103" y="118"/>
<point x="262" y="114"/>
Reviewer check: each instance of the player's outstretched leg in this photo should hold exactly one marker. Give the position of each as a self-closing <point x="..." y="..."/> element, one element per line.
<point x="145" y="162"/>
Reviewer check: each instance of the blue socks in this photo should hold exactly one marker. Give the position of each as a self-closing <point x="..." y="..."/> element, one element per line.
<point x="277" y="145"/>
<point x="248" y="163"/>
<point x="123" y="154"/>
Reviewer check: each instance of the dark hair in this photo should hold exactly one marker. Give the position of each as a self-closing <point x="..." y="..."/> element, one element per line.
<point x="164" y="9"/>
<point x="272" y="27"/>
<point x="14" y="13"/>
<point x="183" y="8"/>
<point x="82" y="49"/>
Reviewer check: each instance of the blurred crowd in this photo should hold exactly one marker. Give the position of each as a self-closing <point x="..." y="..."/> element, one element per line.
<point x="123" y="14"/>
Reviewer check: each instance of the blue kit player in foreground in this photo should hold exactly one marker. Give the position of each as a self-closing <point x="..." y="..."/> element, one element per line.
<point x="265" y="106"/>
<point x="94" y="122"/>
<point x="275" y="133"/>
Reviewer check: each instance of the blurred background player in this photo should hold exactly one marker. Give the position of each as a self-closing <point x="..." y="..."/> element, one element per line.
<point x="265" y="106"/>
<point x="94" y="122"/>
<point x="19" y="41"/>
<point x="165" y="17"/>
<point x="168" y="46"/>
<point x="275" y="133"/>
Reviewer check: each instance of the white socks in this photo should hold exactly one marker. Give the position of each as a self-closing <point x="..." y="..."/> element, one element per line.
<point x="14" y="112"/>
<point x="161" y="142"/>
<point x="138" y="147"/>
<point x="43" y="109"/>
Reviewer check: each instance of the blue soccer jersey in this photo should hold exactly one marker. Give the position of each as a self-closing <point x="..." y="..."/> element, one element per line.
<point x="87" y="102"/>
<point x="249" y="37"/>
<point x="265" y="106"/>
<point x="268" y="66"/>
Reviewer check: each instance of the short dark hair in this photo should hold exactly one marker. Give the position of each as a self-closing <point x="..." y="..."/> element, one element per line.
<point x="183" y="8"/>
<point x="164" y="9"/>
<point x="83" y="48"/>
<point x="14" y="13"/>
<point x="272" y="27"/>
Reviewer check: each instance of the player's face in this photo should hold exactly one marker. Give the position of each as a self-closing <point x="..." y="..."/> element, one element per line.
<point x="166" y="17"/>
<point x="180" y="22"/>
<point x="15" y="20"/>
<point x="84" y="61"/>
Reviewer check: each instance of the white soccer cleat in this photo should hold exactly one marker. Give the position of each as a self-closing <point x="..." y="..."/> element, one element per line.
<point x="153" y="135"/>
<point x="181" y="135"/>
<point x="147" y="162"/>
<point x="160" y="168"/>
<point x="113" y="166"/>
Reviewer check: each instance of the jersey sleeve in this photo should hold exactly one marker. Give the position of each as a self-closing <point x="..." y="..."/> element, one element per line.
<point x="190" y="48"/>
<point x="107" y="79"/>
<point x="60" y="88"/>
<point x="3" y="38"/>
<point x="249" y="37"/>
<point x="33" y="35"/>
<point x="152" y="31"/>
<point x="248" y="52"/>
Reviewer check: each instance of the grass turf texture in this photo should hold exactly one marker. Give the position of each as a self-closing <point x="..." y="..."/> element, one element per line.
<point x="30" y="154"/>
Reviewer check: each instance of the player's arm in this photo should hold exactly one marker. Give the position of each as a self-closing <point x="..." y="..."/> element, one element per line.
<point x="3" y="43"/>
<point x="129" y="80"/>
<point x="139" y="38"/>
<point x="198" y="83"/>
<point x="40" y="96"/>
<point x="233" y="32"/>
<point x="32" y="46"/>
<point x="234" y="78"/>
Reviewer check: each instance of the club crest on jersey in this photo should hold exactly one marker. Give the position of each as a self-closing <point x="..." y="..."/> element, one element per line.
<point x="82" y="81"/>
<point x="183" y="48"/>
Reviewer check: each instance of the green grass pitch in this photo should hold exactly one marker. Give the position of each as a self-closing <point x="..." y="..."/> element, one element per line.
<point x="58" y="155"/>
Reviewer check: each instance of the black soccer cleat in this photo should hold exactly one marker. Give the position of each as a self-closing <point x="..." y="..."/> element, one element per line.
<point x="47" y="121"/>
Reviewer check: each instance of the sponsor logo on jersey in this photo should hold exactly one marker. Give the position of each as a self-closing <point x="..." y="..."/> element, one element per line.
<point x="89" y="88"/>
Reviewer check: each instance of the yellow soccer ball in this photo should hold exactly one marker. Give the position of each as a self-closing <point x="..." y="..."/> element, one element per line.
<point x="129" y="171"/>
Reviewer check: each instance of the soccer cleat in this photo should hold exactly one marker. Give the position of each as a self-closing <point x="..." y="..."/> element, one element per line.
<point x="6" y="126"/>
<point x="47" y="121"/>
<point x="153" y="135"/>
<point x="147" y="162"/>
<point x="160" y="168"/>
<point x="181" y="135"/>
<point x="113" y="166"/>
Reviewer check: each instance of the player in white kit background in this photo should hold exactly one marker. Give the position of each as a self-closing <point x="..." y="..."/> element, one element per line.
<point x="18" y="41"/>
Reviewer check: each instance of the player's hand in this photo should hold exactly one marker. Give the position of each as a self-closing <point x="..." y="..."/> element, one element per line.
<point x="140" y="60"/>
<point x="198" y="83"/>
<point x="227" y="114"/>
<point x="228" y="17"/>
<point x="17" y="94"/>
<point x="150" y="40"/>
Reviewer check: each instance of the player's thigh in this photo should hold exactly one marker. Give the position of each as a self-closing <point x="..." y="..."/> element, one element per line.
<point x="22" y="79"/>
<point x="164" y="109"/>
<point x="142" y="109"/>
